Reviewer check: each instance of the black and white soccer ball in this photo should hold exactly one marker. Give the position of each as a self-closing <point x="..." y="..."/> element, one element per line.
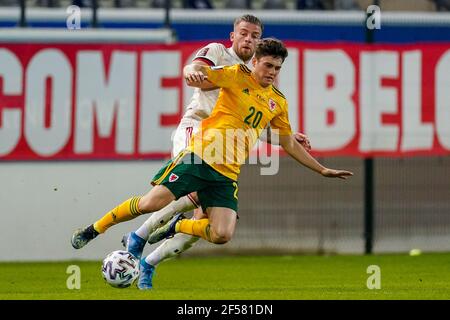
<point x="120" y="269"/>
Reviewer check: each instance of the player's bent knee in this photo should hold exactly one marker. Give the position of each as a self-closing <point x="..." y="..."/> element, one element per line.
<point x="217" y="240"/>
<point x="219" y="237"/>
<point x="149" y="204"/>
<point x="156" y="199"/>
<point x="145" y="205"/>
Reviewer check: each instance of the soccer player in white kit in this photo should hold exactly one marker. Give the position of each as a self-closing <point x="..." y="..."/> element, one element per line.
<point x="247" y="31"/>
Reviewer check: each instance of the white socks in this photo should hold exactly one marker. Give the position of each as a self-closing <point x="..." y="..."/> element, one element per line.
<point x="171" y="248"/>
<point x="161" y="217"/>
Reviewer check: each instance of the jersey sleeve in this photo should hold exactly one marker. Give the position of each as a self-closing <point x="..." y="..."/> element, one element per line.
<point x="210" y="54"/>
<point x="281" y="122"/>
<point x="223" y="76"/>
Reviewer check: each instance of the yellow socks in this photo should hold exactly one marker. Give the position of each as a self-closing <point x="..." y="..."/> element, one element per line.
<point x="123" y="212"/>
<point x="199" y="228"/>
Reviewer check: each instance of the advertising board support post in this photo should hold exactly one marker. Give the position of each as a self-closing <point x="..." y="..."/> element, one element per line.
<point x="94" y="14"/>
<point x="369" y="171"/>
<point x="167" y="20"/>
<point x="22" y="21"/>
<point x="167" y="7"/>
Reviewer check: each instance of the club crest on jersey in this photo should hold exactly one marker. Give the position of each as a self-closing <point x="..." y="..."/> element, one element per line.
<point x="173" y="177"/>
<point x="202" y="52"/>
<point x="272" y="105"/>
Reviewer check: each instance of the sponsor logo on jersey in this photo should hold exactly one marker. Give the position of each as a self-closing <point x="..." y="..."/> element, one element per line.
<point x="272" y="105"/>
<point x="261" y="98"/>
<point x="173" y="177"/>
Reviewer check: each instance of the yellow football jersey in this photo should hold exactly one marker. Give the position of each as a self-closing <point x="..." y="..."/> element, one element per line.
<point x="242" y="111"/>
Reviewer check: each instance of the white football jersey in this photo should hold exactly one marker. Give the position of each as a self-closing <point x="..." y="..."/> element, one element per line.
<point x="202" y="102"/>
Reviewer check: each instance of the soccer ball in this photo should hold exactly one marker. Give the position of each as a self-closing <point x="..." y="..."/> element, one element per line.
<point x="120" y="269"/>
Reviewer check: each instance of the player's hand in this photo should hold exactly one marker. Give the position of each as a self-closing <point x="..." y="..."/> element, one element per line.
<point x="331" y="173"/>
<point x="195" y="78"/>
<point x="303" y="140"/>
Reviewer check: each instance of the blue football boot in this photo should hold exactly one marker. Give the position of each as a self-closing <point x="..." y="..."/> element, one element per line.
<point x="146" y="272"/>
<point x="134" y="244"/>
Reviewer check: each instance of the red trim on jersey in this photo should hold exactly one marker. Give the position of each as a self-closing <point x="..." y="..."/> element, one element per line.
<point x="205" y="60"/>
<point x="189" y="131"/>
<point x="193" y="201"/>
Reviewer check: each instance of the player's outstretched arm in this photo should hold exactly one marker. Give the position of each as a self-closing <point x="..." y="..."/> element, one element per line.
<point x="303" y="139"/>
<point x="204" y="85"/>
<point x="195" y="75"/>
<point x="270" y="137"/>
<point x="298" y="152"/>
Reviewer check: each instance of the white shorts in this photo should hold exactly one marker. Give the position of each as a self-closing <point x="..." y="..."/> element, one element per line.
<point x="183" y="134"/>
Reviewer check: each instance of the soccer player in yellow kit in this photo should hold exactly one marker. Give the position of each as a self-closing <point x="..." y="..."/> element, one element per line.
<point x="247" y="103"/>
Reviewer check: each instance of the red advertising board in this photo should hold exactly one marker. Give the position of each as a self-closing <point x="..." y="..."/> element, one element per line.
<point x="124" y="101"/>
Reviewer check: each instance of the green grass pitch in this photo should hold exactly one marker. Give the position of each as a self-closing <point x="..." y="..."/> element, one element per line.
<point x="402" y="277"/>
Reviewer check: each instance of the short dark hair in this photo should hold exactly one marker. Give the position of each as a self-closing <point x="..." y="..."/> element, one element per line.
<point x="271" y="47"/>
<point x="250" y="19"/>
